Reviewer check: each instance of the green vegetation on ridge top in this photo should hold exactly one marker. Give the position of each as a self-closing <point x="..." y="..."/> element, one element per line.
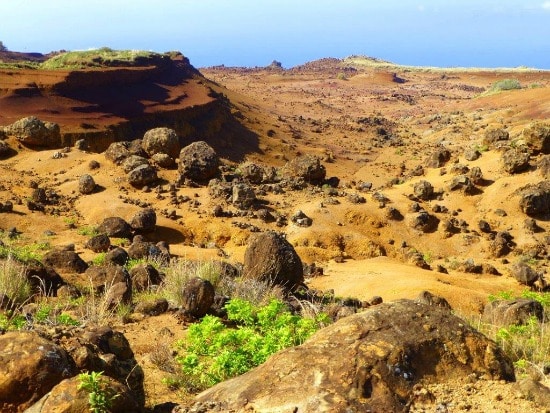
<point x="103" y="57"/>
<point x="95" y="58"/>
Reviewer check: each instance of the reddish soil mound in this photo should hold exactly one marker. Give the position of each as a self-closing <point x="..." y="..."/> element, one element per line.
<point x="116" y="103"/>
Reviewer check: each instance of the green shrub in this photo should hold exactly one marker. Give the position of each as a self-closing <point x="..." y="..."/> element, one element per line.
<point x="527" y="345"/>
<point x="100" y="397"/>
<point x="505" y="84"/>
<point x="213" y="352"/>
<point x="11" y="321"/>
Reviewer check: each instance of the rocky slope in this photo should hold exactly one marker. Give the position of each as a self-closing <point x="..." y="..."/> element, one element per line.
<point x="385" y="181"/>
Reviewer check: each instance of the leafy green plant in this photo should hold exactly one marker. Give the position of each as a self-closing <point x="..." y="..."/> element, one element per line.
<point x="24" y="253"/>
<point x="528" y="344"/>
<point x="213" y="352"/>
<point x="88" y="231"/>
<point x="46" y="314"/>
<point x="100" y="397"/>
<point x="99" y="259"/>
<point x="11" y="321"/>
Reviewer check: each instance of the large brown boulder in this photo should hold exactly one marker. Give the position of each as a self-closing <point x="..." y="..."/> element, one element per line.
<point x="29" y="367"/>
<point x="197" y="297"/>
<point x="32" y="131"/>
<point x="537" y="137"/>
<point x="117" y="152"/>
<point x="438" y="158"/>
<point x="66" y="397"/>
<point x="65" y="261"/>
<point x="495" y="137"/>
<point x="369" y="361"/>
<point x="515" y="160"/>
<point x="145" y="220"/>
<point x="307" y="167"/>
<point x="115" y="227"/>
<point x="270" y="257"/>
<point x="161" y="140"/>
<point x="142" y="175"/>
<point x="198" y="162"/>
<point x="535" y="199"/>
<point x="507" y="312"/>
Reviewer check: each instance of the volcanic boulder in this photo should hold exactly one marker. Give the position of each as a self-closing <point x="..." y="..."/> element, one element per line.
<point x="144" y="220"/>
<point x="161" y="140"/>
<point x="369" y="361"/>
<point x="197" y="297"/>
<point x="66" y="397"/>
<point x="29" y="366"/>
<point x="438" y="158"/>
<point x="86" y="184"/>
<point x="32" y="131"/>
<point x="507" y="312"/>
<point x="142" y="175"/>
<point x="495" y="136"/>
<point x="423" y="190"/>
<point x="198" y="162"/>
<point x="65" y="260"/>
<point x="535" y="199"/>
<point x="515" y="160"/>
<point x="537" y="137"/>
<point x="115" y="227"/>
<point x="117" y="152"/>
<point x="270" y="257"/>
<point x="307" y="167"/>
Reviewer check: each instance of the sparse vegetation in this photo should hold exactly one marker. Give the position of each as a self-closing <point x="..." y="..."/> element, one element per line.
<point x="528" y="345"/>
<point x="505" y="84"/>
<point x="96" y="58"/>
<point x="13" y="282"/>
<point x="100" y="397"/>
<point x="214" y="352"/>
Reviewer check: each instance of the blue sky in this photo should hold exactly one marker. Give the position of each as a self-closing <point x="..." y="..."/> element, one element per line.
<point x="447" y="33"/>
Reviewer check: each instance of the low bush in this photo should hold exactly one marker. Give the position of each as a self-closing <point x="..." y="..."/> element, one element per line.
<point x="213" y="352"/>
<point x="527" y="345"/>
<point x="505" y="84"/>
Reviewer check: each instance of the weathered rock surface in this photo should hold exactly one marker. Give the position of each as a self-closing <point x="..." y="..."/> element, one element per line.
<point x="369" y="361"/>
<point x="117" y="152"/>
<point x="197" y="297"/>
<point x="65" y="261"/>
<point x="524" y="273"/>
<point x="270" y="257"/>
<point x="307" y="167"/>
<point x="115" y="227"/>
<point x="99" y="243"/>
<point x="67" y="398"/>
<point x="535" y="199"/>
<point x="32" y="131"/>
<point x="161" y="140"/>
<point x="537" y="137"/>
<point x="438" y="158"/>
<point x="495" y="137"/>
<point x="423" y="190"/>
<point x="29" y="367"/>
<point x="144" y="220"/>
<point x="142" y="175"/>
<point x="507" y="312"/>
<point x="86" y="184"/>
<point x="198" y="162"/>
<point x="515" y="160"/>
